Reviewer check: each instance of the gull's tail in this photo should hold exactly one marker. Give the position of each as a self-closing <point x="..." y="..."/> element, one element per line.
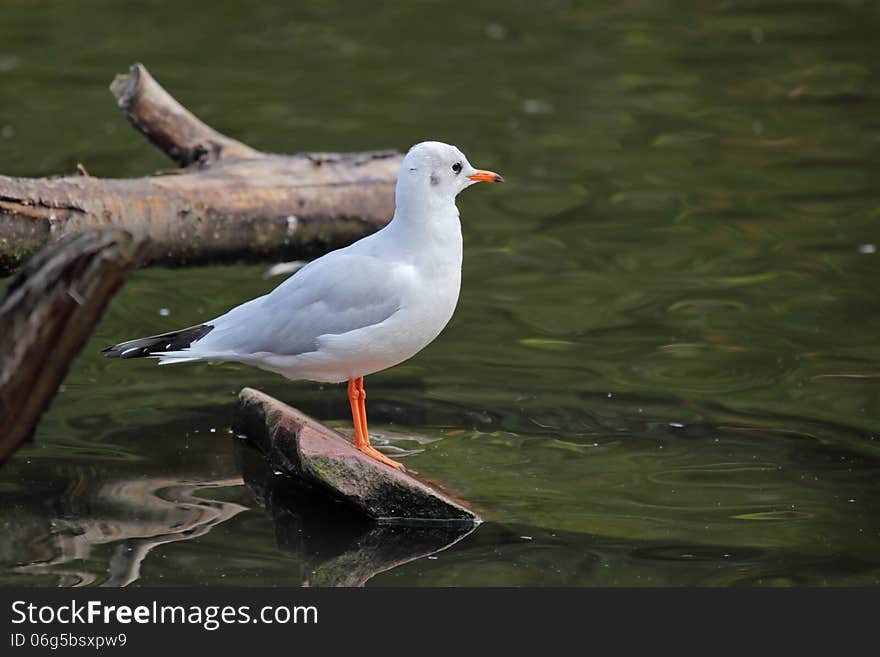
<point x="158" y="345"/>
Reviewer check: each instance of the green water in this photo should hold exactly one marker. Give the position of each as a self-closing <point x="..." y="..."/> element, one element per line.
<point x="664" y="368"/>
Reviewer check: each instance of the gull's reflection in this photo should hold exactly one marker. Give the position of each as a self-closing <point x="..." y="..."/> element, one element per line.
<point x="335" y="546"/>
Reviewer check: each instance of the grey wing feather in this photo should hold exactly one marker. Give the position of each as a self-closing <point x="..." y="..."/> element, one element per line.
<point x="333" y="295"/>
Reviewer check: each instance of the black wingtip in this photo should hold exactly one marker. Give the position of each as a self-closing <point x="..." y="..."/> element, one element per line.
<point x="119" y="351"/>
<point x="156" y="344"/>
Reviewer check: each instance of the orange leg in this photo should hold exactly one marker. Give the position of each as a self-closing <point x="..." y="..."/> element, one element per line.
<point x="354" y="400"/>
<point x="357" y="397"/>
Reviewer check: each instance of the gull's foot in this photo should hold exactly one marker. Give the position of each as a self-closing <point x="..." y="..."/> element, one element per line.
<point x="369" y="450"/>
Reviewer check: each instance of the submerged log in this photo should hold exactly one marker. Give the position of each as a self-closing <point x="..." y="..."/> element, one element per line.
<point x="47" y="314"/>
<point x="321" y="458"/>
<point x="228" y="201"/>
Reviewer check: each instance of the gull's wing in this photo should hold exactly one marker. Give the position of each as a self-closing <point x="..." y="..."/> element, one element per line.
<point x="338" y="293"/>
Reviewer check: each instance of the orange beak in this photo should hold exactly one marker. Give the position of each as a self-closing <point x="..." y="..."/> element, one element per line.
<point x="486" y="176"/>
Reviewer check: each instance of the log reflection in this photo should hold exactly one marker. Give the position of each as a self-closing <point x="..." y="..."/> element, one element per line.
<point x="135" y="516"/>
<point x="335" y="546"/>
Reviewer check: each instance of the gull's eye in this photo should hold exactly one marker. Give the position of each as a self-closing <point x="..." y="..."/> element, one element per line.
<point x="457" y="168"/>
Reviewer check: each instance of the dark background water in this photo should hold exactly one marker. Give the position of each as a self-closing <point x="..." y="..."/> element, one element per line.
<point x="664" y="368"/>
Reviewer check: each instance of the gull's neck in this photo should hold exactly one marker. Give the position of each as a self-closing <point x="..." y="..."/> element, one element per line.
<point x="424" y="214"/>
<point x="424" y="227"/>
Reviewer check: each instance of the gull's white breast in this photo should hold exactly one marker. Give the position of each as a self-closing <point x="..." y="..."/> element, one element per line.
<point x="427" y="305"/>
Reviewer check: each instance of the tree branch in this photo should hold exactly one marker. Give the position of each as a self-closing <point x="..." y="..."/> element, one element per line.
<point x="168" y="124"/>
<point x="47" y="315"/>
<point x="237" y="203"/>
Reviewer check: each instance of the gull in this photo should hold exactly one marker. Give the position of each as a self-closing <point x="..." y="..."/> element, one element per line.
<point x="354" y="311"/>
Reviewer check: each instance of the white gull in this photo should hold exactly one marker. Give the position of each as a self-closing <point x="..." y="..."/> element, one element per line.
<point x="356" y="310"/>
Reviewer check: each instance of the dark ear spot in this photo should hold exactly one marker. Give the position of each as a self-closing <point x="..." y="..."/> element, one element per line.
<point x="434" y="179"/>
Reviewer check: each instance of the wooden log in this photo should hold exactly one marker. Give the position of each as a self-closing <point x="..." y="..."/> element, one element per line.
<point x="47" y="314"/>
<point x="228" y="202"/>
<point x="330" y="544"/>
<point x="303" y="448"/>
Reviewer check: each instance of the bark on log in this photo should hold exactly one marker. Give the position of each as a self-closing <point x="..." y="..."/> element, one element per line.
<point x="320" y="457"/>
<point x="46" y="316"/>
<point x="228" y="202"/>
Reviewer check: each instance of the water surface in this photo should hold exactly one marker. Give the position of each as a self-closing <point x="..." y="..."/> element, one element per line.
<point x="664" y="368"/>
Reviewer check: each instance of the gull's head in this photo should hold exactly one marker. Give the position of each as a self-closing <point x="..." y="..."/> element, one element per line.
<point x="437" y="172"/>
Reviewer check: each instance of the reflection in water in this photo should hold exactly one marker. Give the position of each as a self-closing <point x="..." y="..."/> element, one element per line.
<point x="334" y="546"/>
<point x="667" y="506"/>
<point x="133" y="516"/>
<point x="101" y="526"/>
